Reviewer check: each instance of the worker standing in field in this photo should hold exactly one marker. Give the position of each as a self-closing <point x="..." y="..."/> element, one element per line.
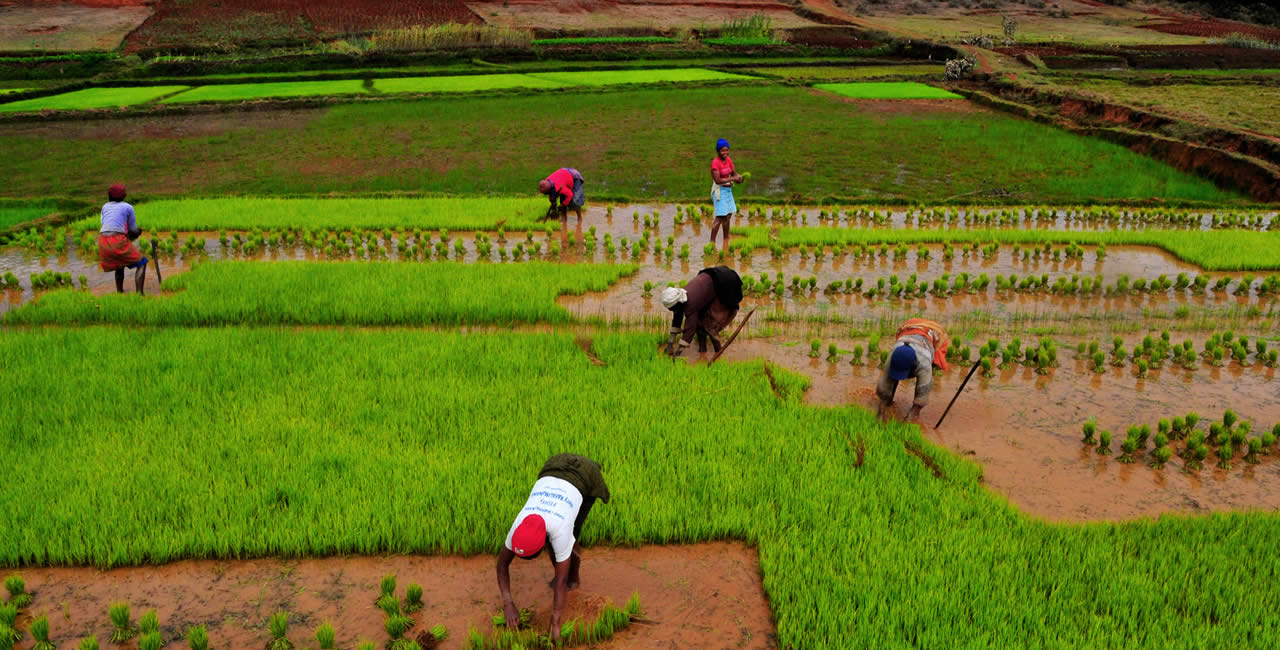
<point x="706" y="305"/>
<point x="723" y="176"/>
<point x="567" y="487"/>
<point x="116" y="250"/>
<point x="919" y="346"/>
<point x="563" y="189"/>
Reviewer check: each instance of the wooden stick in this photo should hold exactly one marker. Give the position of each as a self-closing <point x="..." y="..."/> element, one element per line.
<point x="953" y="399"/>
<point x="731" y="338"/>
<point x="159" y="278"/>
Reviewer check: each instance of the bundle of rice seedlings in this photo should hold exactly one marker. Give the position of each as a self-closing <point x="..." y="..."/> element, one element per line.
<point x="413" y="598"/>
<point x="120" y="619"/>
<point x="279" y="626"/>
<point x="197" y="638"/>
<point x="17" y="588"/>
<point x="325" y="636"/>
<point x="40" y="632"/>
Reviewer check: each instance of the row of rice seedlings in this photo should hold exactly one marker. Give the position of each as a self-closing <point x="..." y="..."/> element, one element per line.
<point x="609" y="622"/>
<point x="1230" y="435"/>
<point x="54" y="280"/>
<point x="398" y="622"/>
<point x="1152" y="353"/>
<point x="1026" y="217"/>
<point x="1041" y="356"/>
<point x="10" y="281"/>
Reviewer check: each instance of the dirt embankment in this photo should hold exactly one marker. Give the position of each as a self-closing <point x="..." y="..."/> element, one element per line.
<point x="1246" y="161"/>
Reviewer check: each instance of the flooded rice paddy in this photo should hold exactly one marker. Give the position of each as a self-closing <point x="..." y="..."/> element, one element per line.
<point x="1023" y="427"/>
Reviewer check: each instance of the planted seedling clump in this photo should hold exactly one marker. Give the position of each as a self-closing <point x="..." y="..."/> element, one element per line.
<point x="1090" y="428"/>
<point x="197" y="638"/>
<point x="413" y="598"/>
<point x="124" y="628"/>
<point x="17" y="588"/>
<point x="279" y="626"/>
<point x="40" y="632"/>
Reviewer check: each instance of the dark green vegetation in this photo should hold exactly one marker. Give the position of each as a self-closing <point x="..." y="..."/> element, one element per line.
<point x="338" y="293"/>
<point x="649" y="143"/>
<point x="876" y="553"/>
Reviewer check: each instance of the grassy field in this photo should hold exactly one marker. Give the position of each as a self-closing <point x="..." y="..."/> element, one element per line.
<point x="13" y="213"/>
<point x="462" y="83"/>
<point x="642" y="143"/>
<point x="857" y="549"/>
<point x="611" y="77"/>
<point x="888" y="90"/>
<point x="244" y="213"/>
<point x="238" y="92"/>
<point x="851" y="72"/>
<point x="1215" y="250"/>
<point x="1113" y="26"/>
<point x="338" y="293"/>
<point x="1253" y="107"/>
<point x="92" y="98"/>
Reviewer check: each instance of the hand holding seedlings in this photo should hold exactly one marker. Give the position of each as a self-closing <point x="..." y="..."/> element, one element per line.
<point x="919" y="346"/>
<point x="563" y="189"/>
<point x="562" y="497"/>
<point x="704" y="307"/>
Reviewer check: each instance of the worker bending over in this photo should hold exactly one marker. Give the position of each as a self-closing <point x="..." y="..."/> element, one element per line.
<point x="919" y="346"/>
<point x="567" y="487"/>
<point x="563" y="189"/>
<point x="702" y="308"/>
<point x="116" y="250"/>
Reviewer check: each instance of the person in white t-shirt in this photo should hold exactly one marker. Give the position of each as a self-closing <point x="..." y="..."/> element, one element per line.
<point x="558" y="504"/>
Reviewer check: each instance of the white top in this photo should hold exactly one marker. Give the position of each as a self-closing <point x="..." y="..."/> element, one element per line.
<point x="558" y="503"/>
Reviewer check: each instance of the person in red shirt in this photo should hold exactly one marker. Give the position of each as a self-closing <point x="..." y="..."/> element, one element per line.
<point x="563" y="189"/>
<point x="723" y="176"/>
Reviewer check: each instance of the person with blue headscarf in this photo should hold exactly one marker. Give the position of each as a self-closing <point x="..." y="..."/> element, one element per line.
<point x="723" y="176"/>
<point x="919" y="345"/>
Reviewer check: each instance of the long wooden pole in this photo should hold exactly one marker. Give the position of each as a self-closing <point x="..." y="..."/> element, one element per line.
<point x="732" y="337"/>
<point x="953" y="399"/>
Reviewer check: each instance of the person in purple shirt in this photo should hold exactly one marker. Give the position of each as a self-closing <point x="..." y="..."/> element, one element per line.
<point x="116" y="250"/>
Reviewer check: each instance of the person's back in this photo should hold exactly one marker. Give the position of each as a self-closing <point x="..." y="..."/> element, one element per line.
<point x="118" y="216"/>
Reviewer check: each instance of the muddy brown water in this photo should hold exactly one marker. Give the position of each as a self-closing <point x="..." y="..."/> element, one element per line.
<point x="698" y="596"/>
<point x="1025" y="429"/>
<point x="621" y="302"/>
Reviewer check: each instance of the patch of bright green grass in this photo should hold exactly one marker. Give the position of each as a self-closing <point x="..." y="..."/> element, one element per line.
<point x="638" y="143"/>
<point x="742" y="41"/>
<point x="338" y="293"/>
<point x="237" y="92"/>
<point x="1214" y="250"/>
<point x="251" y="442"/>
<point x="610" y="77"/>
<point x="92" y="98"/>
<point x="852" y="72"/>
<point x="462" y="83"/>
<point x="13" y="213"/>
<point x="888" y="90"/>
<point x="5" y="91"/>
<point x="245" y="213"/>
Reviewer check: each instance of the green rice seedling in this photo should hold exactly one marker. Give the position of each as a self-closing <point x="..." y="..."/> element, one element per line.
<point x="1143" y="367"/>
<point x="1255" y="448"/>
<point x="149" y="623"/>
<point x="1099" y="362"/>
<point x="1127" y="448"/>
<point x="1229" y="418"/>
<point x="369" y="645"/>
<point x="389" y="604"/>
<point x="152" y="641"/>
<point x="396" y="626"/>
<point x="833" y="352"/>
<point x="1268" y="441"/>
<point x="1164" y="426"/>
<point x="1161" y="440"/>
<point x="986" y="367"/>
<point x="814" y="348"/>
<point x="17" y="588"/>
<point x="1090" y="428"/>
<point x="1104" y="443"/>
<point x="440" y="632"/>
<point x="9" y="632"/>
<point x="1161" y="457"/>
<point x="413" y="598"/>
<point x="197" y="638"/>
<point x="120" y="619"/>
<point x="279" y="626"/>
<point x="89" y="643"/>
<point x="1240" y="433"/>
<point x="40" y="633"/>
<point x="325" y="636"/>
<point x="1224" y="457"/>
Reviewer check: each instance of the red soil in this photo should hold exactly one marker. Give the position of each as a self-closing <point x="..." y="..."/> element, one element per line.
<point x="699" y="596"/>
<point x="1215" y="29"/>
<point x="173" y="22"/>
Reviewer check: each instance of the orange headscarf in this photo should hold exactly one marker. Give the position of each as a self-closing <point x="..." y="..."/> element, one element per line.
<point x="930" y="330"/>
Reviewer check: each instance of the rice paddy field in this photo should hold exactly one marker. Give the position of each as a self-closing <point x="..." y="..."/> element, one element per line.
<point x="359" y="337"/>
<point x="1254" y="107"/>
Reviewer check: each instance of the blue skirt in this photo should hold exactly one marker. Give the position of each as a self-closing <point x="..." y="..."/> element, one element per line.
<point x="725" y="205"/>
